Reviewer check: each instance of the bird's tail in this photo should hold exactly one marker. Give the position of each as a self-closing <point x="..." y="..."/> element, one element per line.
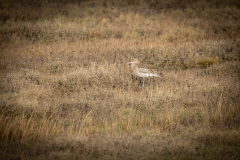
<point x="157" y="74"/>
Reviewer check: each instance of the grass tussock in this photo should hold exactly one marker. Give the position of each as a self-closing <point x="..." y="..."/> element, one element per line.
<point x="66" y="91"/>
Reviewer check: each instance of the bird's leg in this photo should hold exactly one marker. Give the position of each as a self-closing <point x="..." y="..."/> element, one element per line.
<point x="143" y="80"/>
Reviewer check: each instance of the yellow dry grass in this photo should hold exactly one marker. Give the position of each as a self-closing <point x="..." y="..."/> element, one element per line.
<point x="66" y="92"/>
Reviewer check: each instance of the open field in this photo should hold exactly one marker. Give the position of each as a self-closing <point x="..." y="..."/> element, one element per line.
<point x="66" y="93"/>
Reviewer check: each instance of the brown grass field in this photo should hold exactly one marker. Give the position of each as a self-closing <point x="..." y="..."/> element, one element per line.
<point x="66" y="93"/>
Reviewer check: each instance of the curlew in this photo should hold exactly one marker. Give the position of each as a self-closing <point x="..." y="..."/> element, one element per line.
<point x="141" y="71"/>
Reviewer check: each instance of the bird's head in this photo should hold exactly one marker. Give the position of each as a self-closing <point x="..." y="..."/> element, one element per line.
<point x="135" y="61"/>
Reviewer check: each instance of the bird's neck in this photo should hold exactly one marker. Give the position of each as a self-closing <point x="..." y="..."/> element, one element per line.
<point x="133" y="66"/>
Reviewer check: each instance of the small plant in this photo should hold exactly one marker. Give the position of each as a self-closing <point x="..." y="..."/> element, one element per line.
<point x="206" y="62"/>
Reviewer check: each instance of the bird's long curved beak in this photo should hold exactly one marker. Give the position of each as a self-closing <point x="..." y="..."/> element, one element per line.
<point x="126" y="64"/>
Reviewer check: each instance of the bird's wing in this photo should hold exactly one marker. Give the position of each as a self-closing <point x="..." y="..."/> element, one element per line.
<point x="144" y="70"/>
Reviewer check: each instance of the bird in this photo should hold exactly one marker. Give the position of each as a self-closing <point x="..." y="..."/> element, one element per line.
<point x="141" y="70"/>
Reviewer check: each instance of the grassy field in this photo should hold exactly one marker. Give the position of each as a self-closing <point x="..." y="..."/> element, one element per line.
<point x="66" y="93"/>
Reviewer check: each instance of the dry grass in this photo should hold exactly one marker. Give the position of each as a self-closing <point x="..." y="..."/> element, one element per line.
<point x="66" y="93"/>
